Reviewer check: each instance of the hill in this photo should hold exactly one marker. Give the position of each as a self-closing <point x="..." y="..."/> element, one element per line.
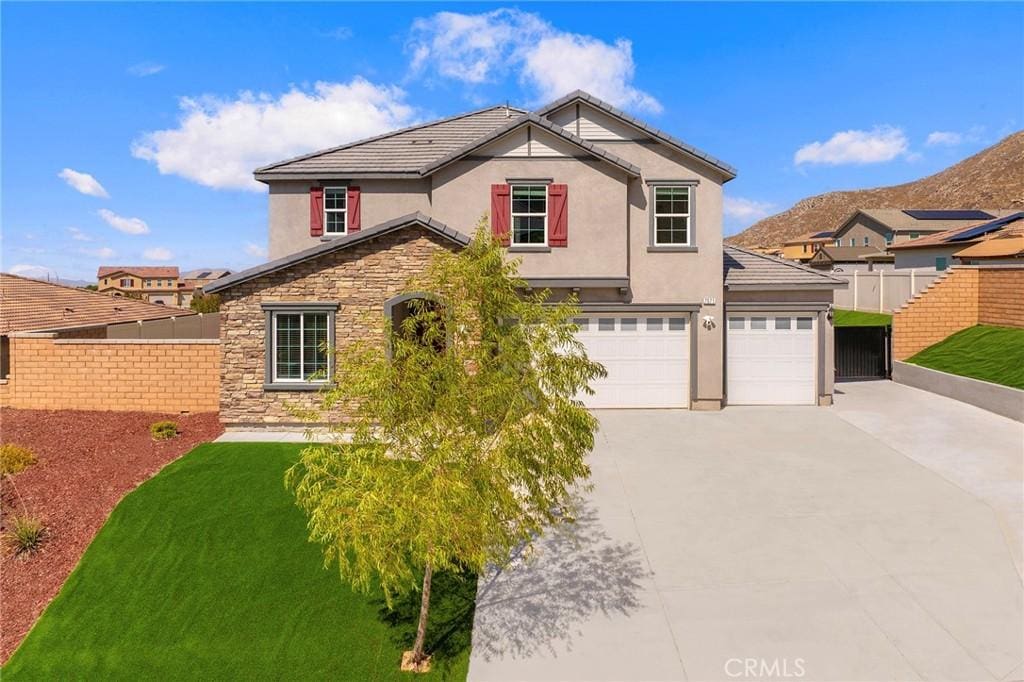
<point x="992" y="178"/>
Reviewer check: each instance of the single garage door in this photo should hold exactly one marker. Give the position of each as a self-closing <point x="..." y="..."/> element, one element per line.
<point x="771" y="360"/>
<point x="647" y="358"/>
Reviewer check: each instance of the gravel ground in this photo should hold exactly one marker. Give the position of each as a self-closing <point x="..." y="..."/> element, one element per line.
<point x="87" y="462"/>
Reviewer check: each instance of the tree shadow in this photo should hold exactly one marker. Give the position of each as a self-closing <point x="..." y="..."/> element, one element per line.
<point x="449" y="624"/>
<point x="577" y="570"/>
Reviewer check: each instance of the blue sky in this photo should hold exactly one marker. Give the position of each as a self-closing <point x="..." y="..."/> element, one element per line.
<point x="129" y="130"/>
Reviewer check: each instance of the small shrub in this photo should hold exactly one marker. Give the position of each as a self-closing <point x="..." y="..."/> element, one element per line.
<point x="163" y="430"/>
<point x="25" y="534"/>
<point x="14" y="459"/>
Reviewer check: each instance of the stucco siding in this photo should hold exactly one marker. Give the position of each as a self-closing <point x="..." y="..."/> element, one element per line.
<point x="381" y="200"/>
<point x="924" y="257"/>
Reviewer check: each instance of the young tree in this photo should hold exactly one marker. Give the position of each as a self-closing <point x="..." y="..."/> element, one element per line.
<point x="205" y="303"/>
<point x="463" y="435"/>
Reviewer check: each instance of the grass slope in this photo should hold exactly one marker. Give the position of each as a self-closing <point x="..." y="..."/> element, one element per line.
<point x="984" y="352"/>
<point x="204" y="572"/>
<point x="857" y="318"/>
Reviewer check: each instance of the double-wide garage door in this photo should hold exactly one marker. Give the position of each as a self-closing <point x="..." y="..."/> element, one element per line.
<point x="647" y="358"/>
<point x="771" y="360"/>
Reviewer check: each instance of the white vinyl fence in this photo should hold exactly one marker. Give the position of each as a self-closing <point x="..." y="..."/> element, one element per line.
<point x="881" y="291"/>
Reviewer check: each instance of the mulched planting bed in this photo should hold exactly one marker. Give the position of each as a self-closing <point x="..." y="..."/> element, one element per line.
<point x="87" y="461"/>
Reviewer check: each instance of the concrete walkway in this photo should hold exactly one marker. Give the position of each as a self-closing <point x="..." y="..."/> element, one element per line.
<point x="861" y="542"/>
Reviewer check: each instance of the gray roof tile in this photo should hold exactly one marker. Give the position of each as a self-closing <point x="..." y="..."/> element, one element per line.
<point x="743" y="268"/>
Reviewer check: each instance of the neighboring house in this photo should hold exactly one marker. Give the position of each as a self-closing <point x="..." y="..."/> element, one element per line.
<point x="31" y="305"/>
<point x="201" y="277"/>
<point x="592" y="200"/>
<point x="991" y="241"/>
<point x="882" y="227"/>
<point x="156" y="284"/>
<point x="850" y="258"/>
<point x="804" y="247"/>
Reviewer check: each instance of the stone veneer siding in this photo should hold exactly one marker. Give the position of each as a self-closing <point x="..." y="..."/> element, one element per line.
<point x="360" y="279"/>
<point x="967" y="296"/>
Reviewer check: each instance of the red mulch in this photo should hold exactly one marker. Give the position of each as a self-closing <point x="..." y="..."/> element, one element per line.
<point x="87" y="461"/>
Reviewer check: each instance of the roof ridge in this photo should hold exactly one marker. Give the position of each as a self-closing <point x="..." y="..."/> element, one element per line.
<point x="382" y="136"/>
<point x="782" y="261"/>
<point x="536" y="119"/>
<point x="640" y="125"/>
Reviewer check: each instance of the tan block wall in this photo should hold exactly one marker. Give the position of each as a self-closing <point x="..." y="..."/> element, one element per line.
<point x="359" y="279"/>
<point x="964" y="298"/>
<point x="135" y="375"/>
<point x="1001" y="297"/>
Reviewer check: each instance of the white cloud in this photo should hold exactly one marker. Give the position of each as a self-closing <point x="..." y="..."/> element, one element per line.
<point x="479" y="48"/>
<point x="143" y="69"/>
<point x="219" y="142"/>
<point x="84" y="183"/>
<point x="158" y="253"/>
<point x="255" y="250"/>
<point x="881" y="143"/>
<point x="742" y="209"/>
<point x="126" y="225"/>
<point x="103" y="252"/>
<point x="34" y="271"/>
<point x="78" y="235"/>
<point x="944" y="138"/>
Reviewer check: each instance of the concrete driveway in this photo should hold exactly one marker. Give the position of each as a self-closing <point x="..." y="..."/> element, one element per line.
<point x="860" y="542"/>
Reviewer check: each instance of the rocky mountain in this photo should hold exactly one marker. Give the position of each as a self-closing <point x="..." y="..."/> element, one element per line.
<point x="992" y="178"/>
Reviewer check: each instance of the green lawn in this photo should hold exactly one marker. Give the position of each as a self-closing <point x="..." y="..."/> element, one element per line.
<point x="204" y="572"/>
<point x="858" y="318"/>
<point x="985" y="352"/>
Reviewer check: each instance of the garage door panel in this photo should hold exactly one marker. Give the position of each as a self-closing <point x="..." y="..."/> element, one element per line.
<point x="647" y="366"/>
<point x="771" y="360"/>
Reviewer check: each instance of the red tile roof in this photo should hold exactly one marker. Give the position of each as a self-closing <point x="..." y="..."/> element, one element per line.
<point x="138" y="270"/>
<point x="33" y="305"/>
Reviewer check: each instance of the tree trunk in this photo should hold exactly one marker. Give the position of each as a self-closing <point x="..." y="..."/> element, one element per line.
<point x="421" y="630"/>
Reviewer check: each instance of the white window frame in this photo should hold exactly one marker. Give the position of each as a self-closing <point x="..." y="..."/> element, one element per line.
<point x="343" y="190"/>
<point x="687" y="215"/>
<point x="302" y="346"/>
<point x="512" y="214"/>
<point x="129" y="283"/>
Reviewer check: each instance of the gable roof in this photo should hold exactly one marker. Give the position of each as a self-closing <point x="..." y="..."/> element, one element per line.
<point x="338" y="243"/>
<point x="998" y="247"/>
<point x="898" y="219"/>
<point x="1000" y="225"/>
<point x="33" y="305"/>
<point x="397" y="153"/>
<point x="745" y="269"/>
<point x="660" y="135"/>
<point x="534" y="119"/>
<point x="137" y="270"/>
<point x="810" y="237"/>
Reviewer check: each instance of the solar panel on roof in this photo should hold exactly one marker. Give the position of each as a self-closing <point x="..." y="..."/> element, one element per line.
<point x="990" y="226"/>
<point x="820" y="235"/>
<point x="203" y="275"/>
<point x="942" y="214"/>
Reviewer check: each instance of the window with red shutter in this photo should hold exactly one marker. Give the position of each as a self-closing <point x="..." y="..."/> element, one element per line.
<point x="558" y="215"/>
<point x="316" y="211"/>
<point x="500" y="211"/>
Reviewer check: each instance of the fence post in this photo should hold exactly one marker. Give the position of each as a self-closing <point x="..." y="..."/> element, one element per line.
<point x="881" y="291"/>
<point x="913" y="289"/>
<point x="854" y="289"/>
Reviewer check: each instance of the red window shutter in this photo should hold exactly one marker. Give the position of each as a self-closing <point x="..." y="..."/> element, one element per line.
<point x="316" y="211"/>
<point x="501" y="209"/>
<point x="558" y="215"/>
<point x="352" y="206"/>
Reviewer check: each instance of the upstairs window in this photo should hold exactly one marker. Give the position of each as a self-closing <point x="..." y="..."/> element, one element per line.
<point x="125" y="283"/>
<point x="672" y="216"/>
<point x="529" y="215"/>
<point x="335" y="210"/>
<point x="867" y="241"/>
<point x="853" y="241"/>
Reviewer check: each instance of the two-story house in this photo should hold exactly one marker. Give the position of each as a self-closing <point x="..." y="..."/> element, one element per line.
<point x="155" y="284"/>
<point x="591" y="199"/>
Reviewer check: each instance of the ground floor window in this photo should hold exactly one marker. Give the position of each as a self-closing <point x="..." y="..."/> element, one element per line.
<point x="298" y="343"/>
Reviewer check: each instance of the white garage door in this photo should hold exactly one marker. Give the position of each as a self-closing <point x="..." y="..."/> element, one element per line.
<point x="771" y="360"/>
<point x="647" y="358"/>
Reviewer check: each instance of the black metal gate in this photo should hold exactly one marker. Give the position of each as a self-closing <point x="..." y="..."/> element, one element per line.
<point x="863" y="352"/>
